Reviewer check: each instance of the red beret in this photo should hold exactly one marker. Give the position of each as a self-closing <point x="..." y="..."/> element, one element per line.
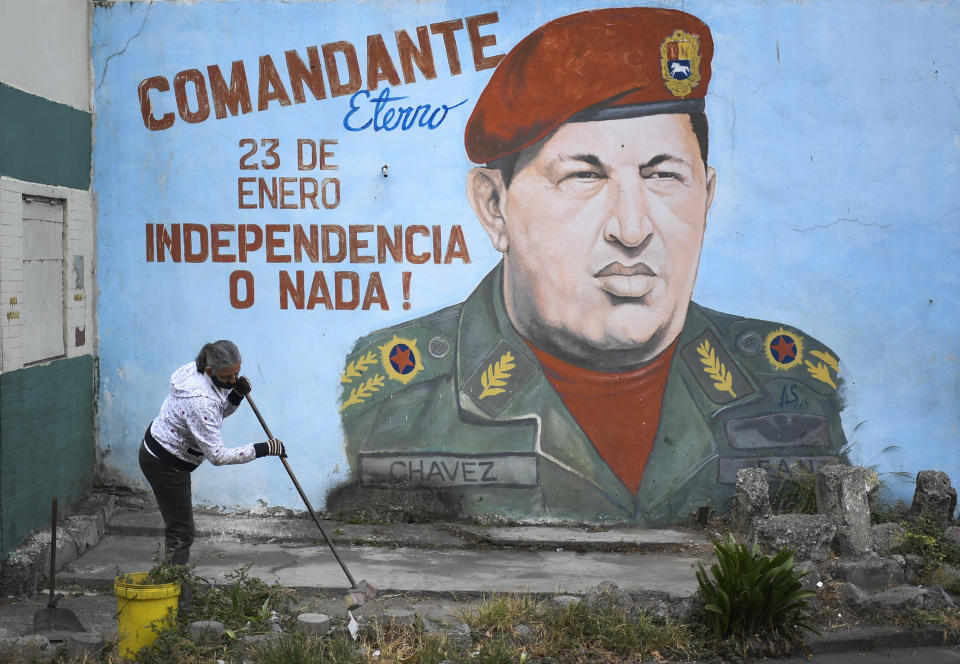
<point x="593" y="65"/>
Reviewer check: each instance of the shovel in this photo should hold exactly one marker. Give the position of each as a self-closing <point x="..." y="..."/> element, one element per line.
<point x="358" y="593"/>
<point x="52" y="619"/>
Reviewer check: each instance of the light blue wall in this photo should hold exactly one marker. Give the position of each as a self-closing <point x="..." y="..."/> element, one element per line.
<point x="834" y="132"/>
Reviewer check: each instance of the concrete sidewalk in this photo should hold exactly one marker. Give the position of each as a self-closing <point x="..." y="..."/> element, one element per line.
<point x="413" y="559"/>
<point x="434" y="570"/>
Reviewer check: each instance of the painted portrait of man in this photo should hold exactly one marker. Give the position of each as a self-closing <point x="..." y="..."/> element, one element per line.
<point x="579" y="381"/>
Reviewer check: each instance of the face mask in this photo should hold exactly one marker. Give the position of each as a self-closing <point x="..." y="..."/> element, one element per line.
<point x="219" y="383"/>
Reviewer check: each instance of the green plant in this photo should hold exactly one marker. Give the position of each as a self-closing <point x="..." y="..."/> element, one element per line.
<point x="166" y="572"/>
<point x="926" y="538"/>
<point x="499" y="613"/>
<point x="498" y="650"/>
<point x="297" y="648"/>
<point x="247" y="604"/>
<point x="578" y="632"/>
<point x="754" y="595"/>
<point x="796" y="490"/>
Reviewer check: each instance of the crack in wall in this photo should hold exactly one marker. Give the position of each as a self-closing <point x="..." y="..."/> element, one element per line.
<point x="837" y="221"/>
<point x="106" y="63"/>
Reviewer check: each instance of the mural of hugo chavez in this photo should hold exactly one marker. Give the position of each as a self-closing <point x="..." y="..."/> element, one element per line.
<point x="579" y="381"/>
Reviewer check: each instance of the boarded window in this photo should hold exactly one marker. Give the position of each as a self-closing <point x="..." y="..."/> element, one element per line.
<point x="42" y="307"/>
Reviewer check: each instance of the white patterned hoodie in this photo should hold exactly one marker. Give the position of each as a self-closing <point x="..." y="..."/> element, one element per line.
<point x="188" y="425"/>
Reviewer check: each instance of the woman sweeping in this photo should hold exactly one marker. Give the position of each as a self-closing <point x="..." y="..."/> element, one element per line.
<point x="187" y="431"/>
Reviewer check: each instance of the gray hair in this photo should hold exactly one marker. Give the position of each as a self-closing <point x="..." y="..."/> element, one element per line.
<point x="218" y="355"/>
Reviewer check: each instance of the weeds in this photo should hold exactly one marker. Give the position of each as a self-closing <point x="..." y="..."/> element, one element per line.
<point x="947" y="620"/>
<point x="579" y="632"/>
<point x="499" y="613"/>
<point x="301" y="649"/>
<point x="796" y="491"/>
<point x="166" y="572"/>
<point x="926" y="538"/>
<point x="245" y="605"/>
<point x="397" y="642"/>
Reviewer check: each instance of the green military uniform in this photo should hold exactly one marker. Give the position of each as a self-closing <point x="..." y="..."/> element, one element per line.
<point x="457" y="401"/>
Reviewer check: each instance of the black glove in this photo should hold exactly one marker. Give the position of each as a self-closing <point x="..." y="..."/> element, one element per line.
<point x="241" y="387"/>
<point x="272" y="447"/>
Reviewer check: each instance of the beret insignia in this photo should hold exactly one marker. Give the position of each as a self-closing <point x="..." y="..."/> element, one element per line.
<point x="680" y="63"/>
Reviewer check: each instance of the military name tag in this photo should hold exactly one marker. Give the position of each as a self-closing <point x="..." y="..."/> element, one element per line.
<point x="448" y="470"/>
<point x="779" y="430"/>
<point x="728" y="466"/>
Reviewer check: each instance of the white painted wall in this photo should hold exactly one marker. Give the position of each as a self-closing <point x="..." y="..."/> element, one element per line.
<point x="45" y="49"/>
<point x="79" y="305"/>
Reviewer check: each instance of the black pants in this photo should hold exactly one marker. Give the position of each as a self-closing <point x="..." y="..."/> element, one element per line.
<point x="172" y="489"/>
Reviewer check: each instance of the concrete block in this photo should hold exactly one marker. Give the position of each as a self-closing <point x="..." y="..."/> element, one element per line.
<point x="314" y="624"/>
<point x="885" y="536"/>
<point x="524" y="633"/>
<point x="252" y="640"/>
<point x="934" y="496"/>
<point x="86" y="531"/>
<point x="85" y="645"/>
<point x="913" y="597"/>
<point x="809" y="535"/>
<point x="915" y="566"/>
<point x="20" y="573"/>
<point x="811" y="575"/>
<point x="870" y="573"/>
<point x="32" y="648"/>
<point x="854" y="597"/>
<point x="843" y="494"/>
<point x="399" y="617"/>
<point x="206" y="632"/>
<point x="752" y="497"/>
<point x="563" y="601"/>
<point x="607" y="595"/>
<point x="952" y="535"/>
<point x="900" y="598"/>
<point x="459" y="635"/>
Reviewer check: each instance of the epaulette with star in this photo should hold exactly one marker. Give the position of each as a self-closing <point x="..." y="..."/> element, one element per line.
<point x="386" y="363"/>
<point x="765" y="350"/>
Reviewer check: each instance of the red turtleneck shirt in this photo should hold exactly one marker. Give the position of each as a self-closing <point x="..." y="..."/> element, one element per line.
<point x="619" y="412"/>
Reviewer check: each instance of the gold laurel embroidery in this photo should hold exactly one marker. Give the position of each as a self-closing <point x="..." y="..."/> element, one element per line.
<point x="821" y="372"/>
<point x="495" y="377"/>
<point x="722" y="379"/>
<point x="828" y="358"/>
<point x="363" y="391"/>
<point x="356" y="368"/>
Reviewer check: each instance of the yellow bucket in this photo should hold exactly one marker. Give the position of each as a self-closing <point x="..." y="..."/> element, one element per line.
<point x="143" y="610"/>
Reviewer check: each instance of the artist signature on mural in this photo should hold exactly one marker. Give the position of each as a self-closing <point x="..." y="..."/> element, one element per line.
<point x="386" y="117"/>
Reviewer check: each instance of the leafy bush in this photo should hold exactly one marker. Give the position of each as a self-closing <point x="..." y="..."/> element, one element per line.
<point x="926" y="538"/>
<point x="754" y="595"/>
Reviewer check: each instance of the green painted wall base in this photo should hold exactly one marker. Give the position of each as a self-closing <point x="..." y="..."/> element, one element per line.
<point x="43" y="141"/>
<point x="46" y="443"/>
